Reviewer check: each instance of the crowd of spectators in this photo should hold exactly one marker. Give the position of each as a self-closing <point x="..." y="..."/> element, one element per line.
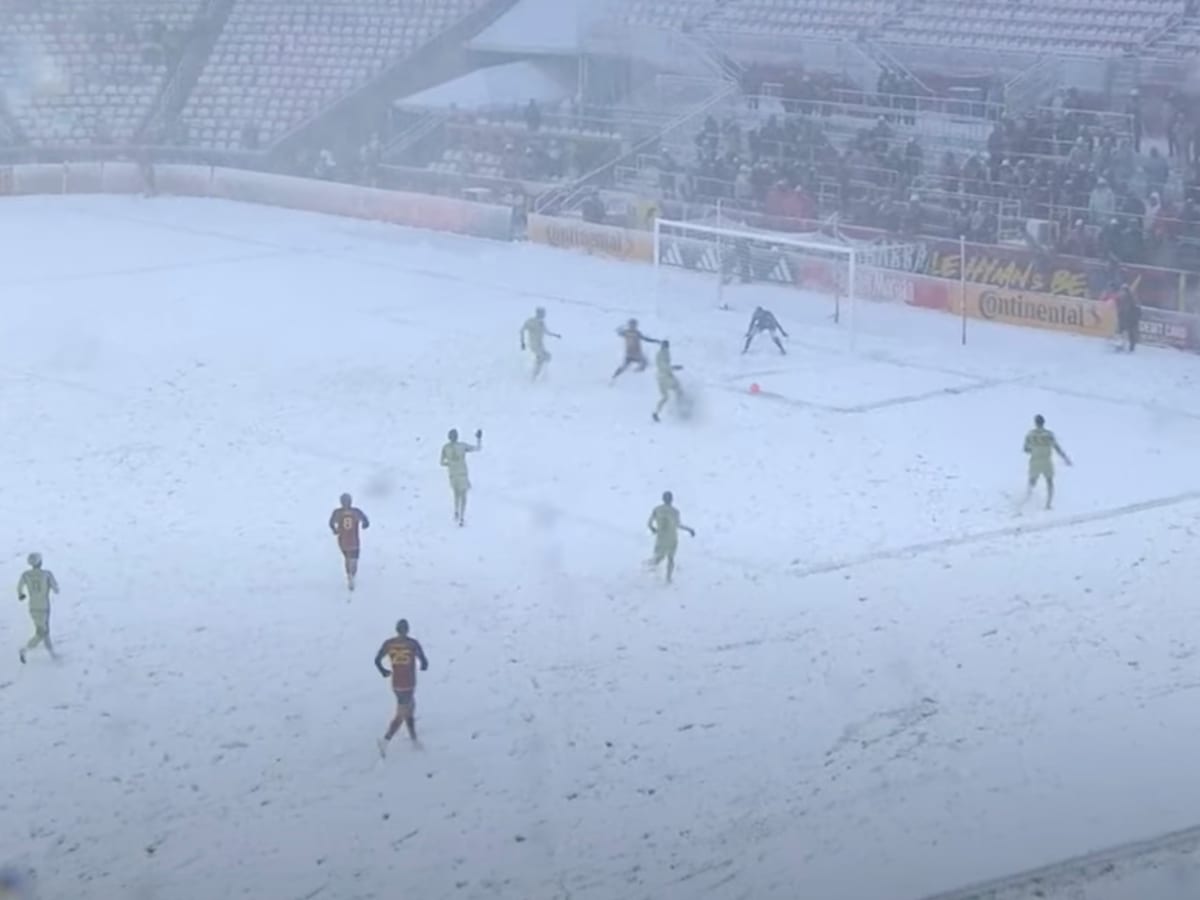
<point x="1067" y="165"/>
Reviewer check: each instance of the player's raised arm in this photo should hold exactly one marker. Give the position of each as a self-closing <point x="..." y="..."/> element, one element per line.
<point x="478" y="445"/>
<point x="379" y="660"/>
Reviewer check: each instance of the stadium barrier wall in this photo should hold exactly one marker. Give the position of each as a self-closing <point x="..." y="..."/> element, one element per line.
<point x="1004" y="284"/>
<point x="918" y="276"/>
<point x="395" y="207"/>
<point x="599" y="240"/>
<point x="1013" y="267"/>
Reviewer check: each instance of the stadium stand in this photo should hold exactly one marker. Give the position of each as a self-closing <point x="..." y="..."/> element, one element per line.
<point x="817" y="17"/>
<point x="1088" y="26"/>
<point x="681" y="14"/>
<point x="78" y="72"/>
<point x="280" y="62"/>
<point x="796" y="143"/>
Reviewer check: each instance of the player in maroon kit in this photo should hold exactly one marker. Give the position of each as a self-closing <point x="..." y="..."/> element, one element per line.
<point x="345" y="522"/>
<point x="634" y="355"/>
<point x="404" y="653"/>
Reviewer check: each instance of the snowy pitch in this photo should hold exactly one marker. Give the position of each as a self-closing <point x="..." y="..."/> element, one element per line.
<point x="873" y="678"/>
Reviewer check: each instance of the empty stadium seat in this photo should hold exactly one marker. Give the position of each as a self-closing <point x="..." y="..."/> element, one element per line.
<point x="278" y="63"/>
<point x="80" y="72"/>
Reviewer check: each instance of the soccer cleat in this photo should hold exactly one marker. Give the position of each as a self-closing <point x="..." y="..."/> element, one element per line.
<point x="21" y="654"/>
<point x="382" y="745"/>
<point x="350" y="582"/>
<point x="655" y="417"/>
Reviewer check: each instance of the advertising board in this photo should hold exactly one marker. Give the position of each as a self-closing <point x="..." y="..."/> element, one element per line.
<point x="599" y="240"/>
<point x="1071" y="314"/>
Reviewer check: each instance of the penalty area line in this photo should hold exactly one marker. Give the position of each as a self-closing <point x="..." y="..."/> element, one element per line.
<point x="1078" y="871"/>
<point x="980" y="537"/>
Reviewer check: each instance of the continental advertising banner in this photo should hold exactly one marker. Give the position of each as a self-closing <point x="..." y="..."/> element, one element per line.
<point x="601" y="240"/>
<point x="1058" y="313"/>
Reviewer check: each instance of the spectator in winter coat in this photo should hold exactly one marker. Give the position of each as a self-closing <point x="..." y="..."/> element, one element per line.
<point x="1080" y="156"/>
<point x="1102" y="202"/>
<point x="1152" y="220"/>
<point x="1178" y="137"/>
<point x="1157" y="171"/>
<point x="1075" y="242"/>
<point x="1109" y="240"/>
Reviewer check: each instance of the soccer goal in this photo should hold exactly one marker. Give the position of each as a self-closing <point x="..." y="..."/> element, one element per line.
<point x="821" y="262"/>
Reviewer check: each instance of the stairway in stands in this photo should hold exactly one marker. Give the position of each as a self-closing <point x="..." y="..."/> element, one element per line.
<point x="210" y="22"/>
<point x="1181" y="40"/>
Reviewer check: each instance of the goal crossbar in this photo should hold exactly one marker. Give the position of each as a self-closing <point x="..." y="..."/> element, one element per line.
<point x="770" y="237"/>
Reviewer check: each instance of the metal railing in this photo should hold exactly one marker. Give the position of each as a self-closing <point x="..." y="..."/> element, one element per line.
<point x="457" y="184"/>
<point x="1030" y="89"/>
<point x="428" y="122"/>
<point x="552" y="125"/>
<point x="959" y="130"/>
<point x="570" y="194"/>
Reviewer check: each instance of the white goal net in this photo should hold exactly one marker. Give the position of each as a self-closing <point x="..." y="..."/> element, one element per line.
<point x="824" y="263"/>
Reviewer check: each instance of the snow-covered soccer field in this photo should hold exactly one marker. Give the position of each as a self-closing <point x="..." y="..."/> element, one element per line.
<point x="872" y="679"/>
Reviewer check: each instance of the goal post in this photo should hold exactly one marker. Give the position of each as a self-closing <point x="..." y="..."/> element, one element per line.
<point x="828" y="265"/>
<point x="741" y="256"/>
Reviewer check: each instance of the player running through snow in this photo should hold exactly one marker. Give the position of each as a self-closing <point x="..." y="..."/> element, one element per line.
<point x="533" y="335"/>
<point x="668" y="384"/>
<point x="764" y="320"/>
<point x="454" y="458"/>
<point x="634" y="355"/>
<point x="1041" y="445"/>
<point x="345" y="522"/>
<point x="37" y="584"/>
<point x="665" y="525"/>
<point x="403" y="653"/>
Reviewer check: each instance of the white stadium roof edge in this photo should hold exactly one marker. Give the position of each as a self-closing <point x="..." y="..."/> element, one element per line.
<point x="540" y="26"/>
<point x="503" y="85"/>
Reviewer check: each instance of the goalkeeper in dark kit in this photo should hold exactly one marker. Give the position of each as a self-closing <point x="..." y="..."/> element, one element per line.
<point x="764" y="320"/>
